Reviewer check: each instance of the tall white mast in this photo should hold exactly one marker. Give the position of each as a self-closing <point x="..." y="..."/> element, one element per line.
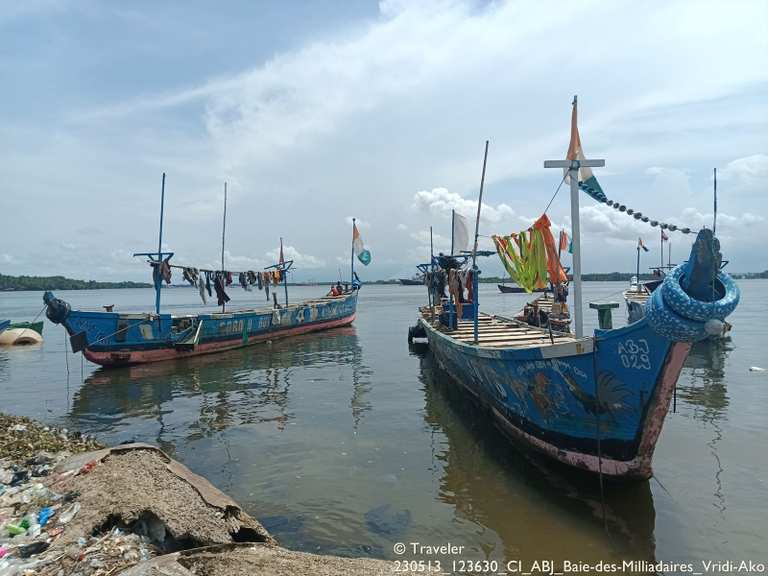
<point x="573" y="166"/>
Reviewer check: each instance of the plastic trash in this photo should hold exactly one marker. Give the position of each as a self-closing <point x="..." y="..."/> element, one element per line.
<point x="19" y="477"/>
<point x="69" y="513"/>
<point x="3" y="551"/>
<point x="756" y="369"/>
<point x="14" y="530"/>
<point x="44" y="515"/>
<point x="34" y="548"/>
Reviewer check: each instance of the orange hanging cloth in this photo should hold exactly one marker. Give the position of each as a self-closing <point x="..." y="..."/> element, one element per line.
<point x="555" y="269"/>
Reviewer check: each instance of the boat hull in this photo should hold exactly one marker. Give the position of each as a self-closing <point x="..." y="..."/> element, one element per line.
<point x="505" y="289"/>
<point x="113" y="339"/>
<point x="593" y="404"/>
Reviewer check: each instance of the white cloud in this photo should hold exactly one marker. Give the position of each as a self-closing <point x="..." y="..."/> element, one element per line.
<point x="726" y="223"/>
<point x="749" y="172"/>
<point x="305" y="261"/>
<point x="354" y="121"/>
<point x="440" y="201"/>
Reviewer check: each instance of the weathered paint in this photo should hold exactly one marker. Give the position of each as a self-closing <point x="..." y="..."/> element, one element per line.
<point x="120" y="339"/>
<point x="561" y="399"/>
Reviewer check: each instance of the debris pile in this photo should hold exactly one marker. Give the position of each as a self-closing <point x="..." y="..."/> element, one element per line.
<point x="35" y="510"/>
<point x="22" y="439"/>
<point x="71" y="508"/>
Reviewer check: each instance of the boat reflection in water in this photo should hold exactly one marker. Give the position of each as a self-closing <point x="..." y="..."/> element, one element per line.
<point x="702" y="386"/>
<point x="702" y="395"/>
<point x="198" y="397"/>
<point x="521" y="496"/>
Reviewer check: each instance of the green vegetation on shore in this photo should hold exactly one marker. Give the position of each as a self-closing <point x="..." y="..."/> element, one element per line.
<point x="12" y="283"/>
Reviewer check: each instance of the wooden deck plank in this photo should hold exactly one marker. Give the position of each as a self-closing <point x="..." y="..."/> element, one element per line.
<point x="520" y="338"/>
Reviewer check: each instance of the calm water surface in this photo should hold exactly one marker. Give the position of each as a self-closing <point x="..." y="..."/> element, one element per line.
<point x="348" y="441"/>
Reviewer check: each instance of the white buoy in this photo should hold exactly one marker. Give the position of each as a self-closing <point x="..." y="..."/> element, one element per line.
<point x="756" y="369"/>
<point x="714" y="327"/>
<point x="19" y="336"/>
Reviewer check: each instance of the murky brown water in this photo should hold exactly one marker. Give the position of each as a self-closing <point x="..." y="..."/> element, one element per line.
<point x="349" y="442"/>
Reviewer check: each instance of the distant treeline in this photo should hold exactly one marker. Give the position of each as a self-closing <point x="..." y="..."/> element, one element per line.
<point x="748" y="275"/>
<point x="11" y="283"/>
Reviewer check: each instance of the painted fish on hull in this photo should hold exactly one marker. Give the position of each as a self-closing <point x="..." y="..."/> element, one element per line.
<point x="560" y="399"/>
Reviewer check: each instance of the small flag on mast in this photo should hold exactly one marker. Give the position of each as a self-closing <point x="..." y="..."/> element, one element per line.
<point x="360" y="251"/>
<point x="587" y="179"/>
<point x="460" y="233"/>
<point x="641" y="245"/>
<point x="664" y="236"/>
<point x="564" y="244"/>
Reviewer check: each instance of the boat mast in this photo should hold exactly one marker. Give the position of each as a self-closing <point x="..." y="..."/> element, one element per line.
<point x="284" y="272"/>
<point x="714" y="217"/>
<point x="474" y="249"/>
<point x="352" y="258"/>
<point x="637" y="285"/>
<point x="223" y="232"/>
<point x="453" y="224"/>
<point x="573" y="165"/>
<point x="158" y="278"/>
<point x="430" y="299"/>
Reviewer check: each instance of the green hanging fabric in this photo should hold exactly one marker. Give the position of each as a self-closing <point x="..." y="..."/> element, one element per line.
<point x="524" y="257"/>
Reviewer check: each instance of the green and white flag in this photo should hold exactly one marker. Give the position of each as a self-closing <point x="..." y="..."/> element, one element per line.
<point x="362" y="254"/>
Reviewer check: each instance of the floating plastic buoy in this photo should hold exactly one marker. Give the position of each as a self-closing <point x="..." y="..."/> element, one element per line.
<point x="756" y="369"/>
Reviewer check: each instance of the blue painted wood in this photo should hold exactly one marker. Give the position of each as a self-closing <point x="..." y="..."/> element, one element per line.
<point x="112" y="331"/>
<point x="4" y="324"/>
<point x="559" y="400"/>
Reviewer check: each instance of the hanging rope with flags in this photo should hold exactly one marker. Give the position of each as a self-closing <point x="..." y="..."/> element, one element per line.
<point x="589" y="184"/>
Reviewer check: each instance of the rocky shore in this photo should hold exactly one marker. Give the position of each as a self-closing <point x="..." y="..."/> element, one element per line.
<point x="70" y="506"/>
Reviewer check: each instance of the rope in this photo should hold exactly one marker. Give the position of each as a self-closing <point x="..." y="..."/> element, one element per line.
<point x="634" y="213"/>
<point x="556" y="191"/>
<point x="23" y="330"/>
<point x="66" y="354"/>
<point x="597" y="426"/>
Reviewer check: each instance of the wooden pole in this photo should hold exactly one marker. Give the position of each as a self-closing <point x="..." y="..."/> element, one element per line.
<point x="576" y="259"/>
<point x="430" y="296"/>
<point x="573" y="166"/>
<point x="223" y="233"/>
<point x="714" y="217"/>
<point x="474" y="249"/>
<point x="637" y="286"/>
<point x="158" y="279"/>
<point x="453" y="224"/>
<point x="285" y="272"/>
<point x="669" y="253"/>
<point x="352" y="267"/>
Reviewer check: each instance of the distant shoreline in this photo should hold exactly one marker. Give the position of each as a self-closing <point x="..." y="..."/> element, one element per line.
<point x="42" y="283"/>
<point x="39" y="283"/>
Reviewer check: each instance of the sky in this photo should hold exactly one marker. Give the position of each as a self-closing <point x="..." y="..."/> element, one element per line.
<point x="316" y="112"/>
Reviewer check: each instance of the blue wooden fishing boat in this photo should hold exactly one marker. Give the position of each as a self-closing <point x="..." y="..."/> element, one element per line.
<point x="597" y="402"/>
<point x="112" y="338"/>
<point x="4" y="324"/>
